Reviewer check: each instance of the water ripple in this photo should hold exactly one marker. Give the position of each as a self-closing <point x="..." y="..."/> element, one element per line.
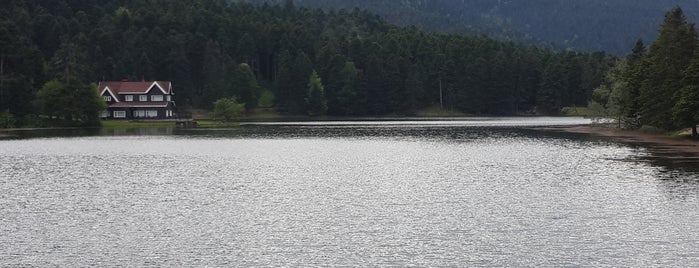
<point x="436" y="196"/>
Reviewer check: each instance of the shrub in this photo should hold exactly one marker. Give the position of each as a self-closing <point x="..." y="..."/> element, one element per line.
<point x="651" y="130"/>
<point x="7" y="120"/>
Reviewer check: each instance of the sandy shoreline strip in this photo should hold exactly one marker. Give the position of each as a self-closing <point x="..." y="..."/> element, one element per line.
<point x="658" y="142"/>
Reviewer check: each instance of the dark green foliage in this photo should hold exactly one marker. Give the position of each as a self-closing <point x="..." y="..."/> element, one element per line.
<point x="668" y="56"/>
<point x="631" y="79"/>
<point x="246" y="49"/>
<point x="227" y="109"/>
<point x="659" y="88"/>
<point x="686" y="109"/>
<point x="317" y="104"/>
<point x="213" y="72"/>
<point x="292" y="82"/>
<point x="368" y="67"/>
<point x="243" y="84"/>
<point x="21" y="64"/>
<point x="7" y="120"/>
<point x="72" y="102"/>
<point x="553" y="83"/>
<point x="347" y="96"/>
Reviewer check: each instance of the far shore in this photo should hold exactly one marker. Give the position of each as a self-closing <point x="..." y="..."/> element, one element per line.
<point x="657" y="141"/>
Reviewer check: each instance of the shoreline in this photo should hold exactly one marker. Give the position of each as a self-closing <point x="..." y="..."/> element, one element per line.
<point x="658" y="142"/>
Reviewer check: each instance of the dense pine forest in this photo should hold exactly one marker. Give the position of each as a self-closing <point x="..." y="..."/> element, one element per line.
<point x="591" y="25"/>
<point x="656" y="87"/>
<point x="273" y="55"/>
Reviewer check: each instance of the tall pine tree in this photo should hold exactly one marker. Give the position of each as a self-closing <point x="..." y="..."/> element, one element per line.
<point x="317" y="104"/>
<point x="669" y="57"/>
<point x="686" y="110"/>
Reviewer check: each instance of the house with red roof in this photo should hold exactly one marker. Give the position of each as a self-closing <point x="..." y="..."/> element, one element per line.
<point x="138" y="100"/>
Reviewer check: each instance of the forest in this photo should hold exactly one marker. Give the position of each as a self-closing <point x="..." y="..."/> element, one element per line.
<point x="270" y="55"/>
<point x="591" y="25"/>
<point x="656" y="88"/>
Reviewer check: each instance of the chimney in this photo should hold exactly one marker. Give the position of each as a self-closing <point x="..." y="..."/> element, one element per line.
<point x="125" y="80"/>
<point x="143" y="78"/>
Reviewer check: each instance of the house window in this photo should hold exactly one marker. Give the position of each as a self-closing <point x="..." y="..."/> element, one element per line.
<point x="119" y="114"/>
<point x="104" y="114"/>
<point x="128" y="97"/>
<point x="169" y="98"/>
<point x="107" y="98"/>
<point x="152" y="113"/>
<point x="156" y="98"/>
<point x="139" y="113"/>
<point x="143" y="98"/>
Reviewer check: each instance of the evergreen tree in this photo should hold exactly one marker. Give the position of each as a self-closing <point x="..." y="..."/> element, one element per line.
<point x="70" y="62"/>
<point x="21" y="69"/>
<point x="246" y="50"/>
<point x="669" y="56"/>
<point x="413" y="90"/>
<point x="632" y="78"/>
<point x="283" y="79"/>
<point x="213" y="70"/>
<point x="317" y="104"/>
<point x="297" y="87"/>
<point x="178" y="68"/>
<point x="244" y="85"/>
<point x="552" y="84"/>
<point x="686" y="109"/>
<point x="347" y="96"/>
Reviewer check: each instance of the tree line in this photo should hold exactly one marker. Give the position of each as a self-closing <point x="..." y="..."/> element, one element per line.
<point x="266" y="56"/>
<point x="656" y="87"/>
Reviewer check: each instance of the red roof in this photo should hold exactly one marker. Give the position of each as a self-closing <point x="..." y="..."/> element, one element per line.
<point x="117" y="90"/>
<point x="135" y="87"/>
<point x="150" y="104"/>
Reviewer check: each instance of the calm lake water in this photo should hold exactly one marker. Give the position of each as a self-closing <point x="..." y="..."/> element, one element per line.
<point x="473" y="192"/>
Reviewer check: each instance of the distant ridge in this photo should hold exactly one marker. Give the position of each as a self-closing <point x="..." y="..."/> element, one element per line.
<point x="612" y="26"/>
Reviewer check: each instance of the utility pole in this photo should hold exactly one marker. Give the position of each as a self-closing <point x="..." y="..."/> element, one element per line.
<point x="441" y="101"/>
<point x="2" y="79"/>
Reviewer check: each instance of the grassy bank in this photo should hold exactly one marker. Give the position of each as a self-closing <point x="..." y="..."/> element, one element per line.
<point x="577" y="111"/>
<point x="436" y="111"/>
<point x="263" y="114"/>
<point x="216" y="124"/>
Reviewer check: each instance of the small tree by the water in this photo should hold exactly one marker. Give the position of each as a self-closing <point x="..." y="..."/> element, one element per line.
<point x="7" y="120"/>
<point x="227" y="109"/>
<point x="317" y="104"/>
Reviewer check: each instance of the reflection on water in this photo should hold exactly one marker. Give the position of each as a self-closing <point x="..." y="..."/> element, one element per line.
<point x="86" y="132"/>
<point x="362" y="194"/>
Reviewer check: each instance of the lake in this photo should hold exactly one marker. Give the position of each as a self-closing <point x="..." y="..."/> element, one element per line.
<point x="487" y="192"/>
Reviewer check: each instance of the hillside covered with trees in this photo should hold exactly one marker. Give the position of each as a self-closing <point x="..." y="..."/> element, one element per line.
<point x="591" y="25"/>
<point x="213" y="50"/>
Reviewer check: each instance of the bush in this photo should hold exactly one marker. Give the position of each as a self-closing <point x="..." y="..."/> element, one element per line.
<point x="34" y="121"/>
<point x="227" y="109"/>
<point x="576" y="111"/>
<point x="266" y="99"/>
<point x="7" y="120"/>
<point x="651" y="130"/>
